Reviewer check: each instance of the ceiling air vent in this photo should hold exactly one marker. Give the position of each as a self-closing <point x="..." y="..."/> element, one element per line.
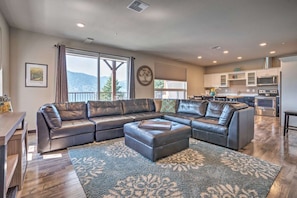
<point x="138" y="6"/>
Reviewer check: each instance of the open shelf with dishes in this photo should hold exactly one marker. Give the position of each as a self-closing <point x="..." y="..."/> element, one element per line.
<point x="237" y="76"/>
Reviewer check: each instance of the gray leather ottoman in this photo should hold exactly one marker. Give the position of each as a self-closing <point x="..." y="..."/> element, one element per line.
<point x="156" y="144"/>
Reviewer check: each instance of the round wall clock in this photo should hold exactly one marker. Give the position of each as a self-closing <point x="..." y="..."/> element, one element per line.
<point x="144" y="75"/>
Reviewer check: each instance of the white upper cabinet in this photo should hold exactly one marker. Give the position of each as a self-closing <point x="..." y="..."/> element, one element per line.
<point x="224" y="80"/>
<point x="251" y="79"/>
<point x="211" y="80"/>
<point x="268" y="72"/>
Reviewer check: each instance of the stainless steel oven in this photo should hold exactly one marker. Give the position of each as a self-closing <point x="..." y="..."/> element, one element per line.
<point x="266" y="103"/>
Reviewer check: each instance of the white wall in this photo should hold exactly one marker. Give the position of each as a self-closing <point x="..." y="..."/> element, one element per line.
<point x="4" y="57"/>
<point x="39" y="48"/>
<point x="288" y="87"/>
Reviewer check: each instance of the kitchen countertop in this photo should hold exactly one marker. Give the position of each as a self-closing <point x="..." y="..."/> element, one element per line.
<point x="231" y="96"/>
<point x="238" y="95"/>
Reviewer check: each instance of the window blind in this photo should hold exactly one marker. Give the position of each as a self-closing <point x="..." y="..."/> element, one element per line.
<point x="169" y="72"/>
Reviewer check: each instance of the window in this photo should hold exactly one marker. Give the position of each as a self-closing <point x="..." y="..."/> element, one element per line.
<point x="94" y="77"/>
<point x="170" y="81"/>
<point x="168" y="89"/>
<point x="113" y="78"/>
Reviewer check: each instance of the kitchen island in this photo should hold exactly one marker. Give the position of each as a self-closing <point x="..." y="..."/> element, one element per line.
<point x="249" y="99"/>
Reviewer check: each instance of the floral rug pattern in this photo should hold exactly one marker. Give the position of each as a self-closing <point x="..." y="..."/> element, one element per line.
<point x="145" y="186"/>
<point x="110" y="169"/>
<point x="183" y="161"/>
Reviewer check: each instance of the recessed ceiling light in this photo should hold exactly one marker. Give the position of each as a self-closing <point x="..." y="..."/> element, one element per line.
<point x="239" y="57"/>
<point x="283" y="43"/>
<point x="272" y="52"/>
<point x="199" y="57"/>
<point x="263" y="44"/>
<point x="226" y="52"/>
<point x="214" y="61"/>
<point x="81" y="25"/>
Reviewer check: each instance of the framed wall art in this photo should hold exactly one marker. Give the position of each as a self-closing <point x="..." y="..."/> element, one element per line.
<point x="35" y="75"/>
<point x="144" y="75"/>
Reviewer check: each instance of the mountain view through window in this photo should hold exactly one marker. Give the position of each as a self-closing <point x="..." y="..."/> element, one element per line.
<point x="85" y="75"/>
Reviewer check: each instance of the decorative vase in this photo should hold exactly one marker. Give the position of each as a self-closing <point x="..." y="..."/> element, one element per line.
<point x="212" y="93"/>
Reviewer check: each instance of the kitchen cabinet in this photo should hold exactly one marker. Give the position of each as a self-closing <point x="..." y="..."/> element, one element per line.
<point x="251" y="79"/>
<point x="224" y="80"/>
<point x="236" y="76"/>
<point x="268" y="72"/>
<point x="211" y="80"/>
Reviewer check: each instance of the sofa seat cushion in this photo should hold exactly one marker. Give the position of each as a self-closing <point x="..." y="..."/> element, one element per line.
<point x="111" y="122"/>
<point x="73" y="127"/>
<point x="183" y="118"/>
<point x="145" y="115"/>
<point x="209" y="125"/>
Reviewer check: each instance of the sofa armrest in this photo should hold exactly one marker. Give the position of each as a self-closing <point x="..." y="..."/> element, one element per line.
<point x="241" y="128"/>
<point x="43" y="134"/>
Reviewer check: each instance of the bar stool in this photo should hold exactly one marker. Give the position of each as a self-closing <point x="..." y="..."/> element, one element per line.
<point x="286" y="124"/>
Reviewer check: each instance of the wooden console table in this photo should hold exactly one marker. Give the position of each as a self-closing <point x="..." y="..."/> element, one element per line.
<point x="13" y="134"/>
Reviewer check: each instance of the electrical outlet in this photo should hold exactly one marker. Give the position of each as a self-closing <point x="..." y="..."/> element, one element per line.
<point x="253" y="90"/>
<point x="248" y="90"/>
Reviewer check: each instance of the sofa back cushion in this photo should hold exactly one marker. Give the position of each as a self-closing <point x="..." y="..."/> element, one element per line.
<point x="51" y="116"/>
<point x="196" y="107"/>
<point x="158" y="105"/>
<point x="72" y="110"/>
<point x="151" y="104"/>
<point x="135" y="106"/>
<point x="214" y="109"/>
<point x="226" y="115"/>
<point x="168" y="106"/>
<point x="104" y="108"/>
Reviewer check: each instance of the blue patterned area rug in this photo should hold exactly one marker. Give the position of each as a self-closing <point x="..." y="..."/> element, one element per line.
<point x="111" y="169"/>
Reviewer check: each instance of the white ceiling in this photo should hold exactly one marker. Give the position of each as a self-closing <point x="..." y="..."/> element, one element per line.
<point x="177" y="29"/>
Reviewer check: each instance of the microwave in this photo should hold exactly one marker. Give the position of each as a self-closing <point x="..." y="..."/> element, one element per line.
<point x="267" y="80"/>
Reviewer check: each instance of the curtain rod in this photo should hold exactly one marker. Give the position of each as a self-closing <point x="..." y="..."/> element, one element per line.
<point x="57" y="45"/>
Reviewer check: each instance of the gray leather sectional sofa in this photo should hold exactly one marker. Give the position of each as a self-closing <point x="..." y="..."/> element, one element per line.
<point x="62" y="125"/>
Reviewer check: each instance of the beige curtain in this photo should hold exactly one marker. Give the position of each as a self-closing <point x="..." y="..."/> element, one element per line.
<point x="61" y="78"/>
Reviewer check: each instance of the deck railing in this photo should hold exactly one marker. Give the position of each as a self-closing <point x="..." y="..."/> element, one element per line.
<point x="85" y="96"/>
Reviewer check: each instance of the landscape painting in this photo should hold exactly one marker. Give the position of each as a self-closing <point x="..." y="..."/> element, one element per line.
<point x="36" y="75"/>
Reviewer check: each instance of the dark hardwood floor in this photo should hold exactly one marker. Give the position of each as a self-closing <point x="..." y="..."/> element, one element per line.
<point x="52" y="175"/>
